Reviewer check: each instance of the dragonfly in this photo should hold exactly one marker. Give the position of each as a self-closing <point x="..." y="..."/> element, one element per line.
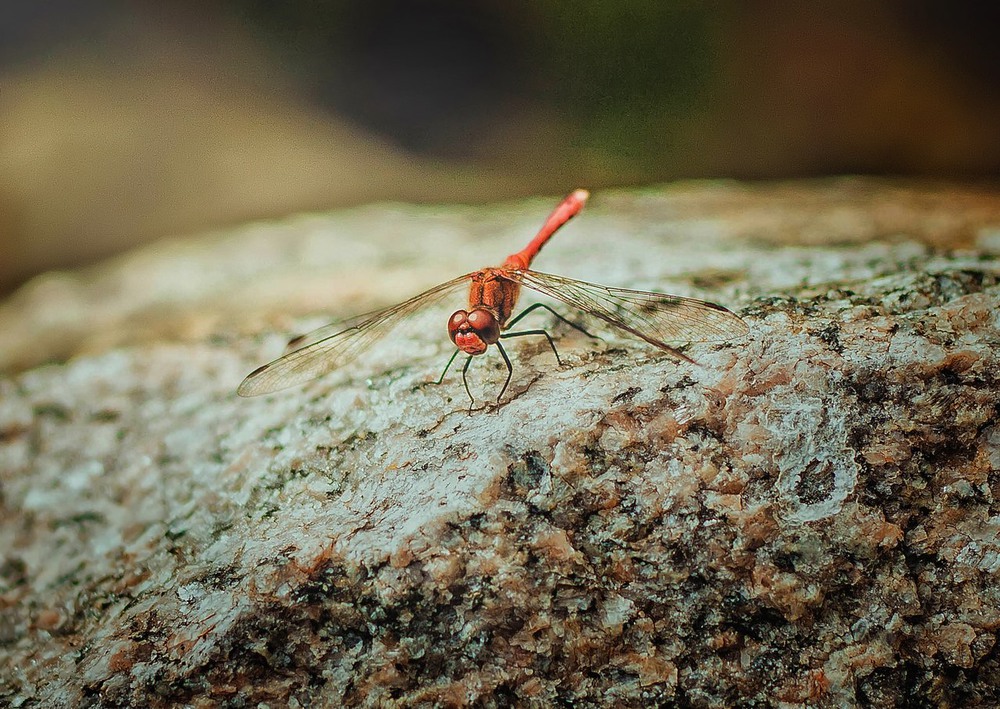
<point x="656" y="318"/>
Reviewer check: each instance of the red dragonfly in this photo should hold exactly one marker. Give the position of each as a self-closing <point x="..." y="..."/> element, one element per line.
<point x="654" y="317"/>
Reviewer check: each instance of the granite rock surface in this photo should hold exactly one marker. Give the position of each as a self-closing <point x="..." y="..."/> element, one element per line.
<point x="810" y="516"/>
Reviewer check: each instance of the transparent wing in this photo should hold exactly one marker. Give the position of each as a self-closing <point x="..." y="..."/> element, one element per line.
<point x="327" y="348"/>
<point x="657" y="318"/>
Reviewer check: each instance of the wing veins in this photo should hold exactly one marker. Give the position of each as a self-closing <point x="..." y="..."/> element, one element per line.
<point x="322" y="352"/>
<point x="653" y="317"/>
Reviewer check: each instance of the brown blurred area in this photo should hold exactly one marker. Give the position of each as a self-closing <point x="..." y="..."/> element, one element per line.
<point x="122" y="122"/>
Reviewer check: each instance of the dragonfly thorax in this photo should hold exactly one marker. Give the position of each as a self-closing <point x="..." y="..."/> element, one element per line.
<point x="473" y="332"/>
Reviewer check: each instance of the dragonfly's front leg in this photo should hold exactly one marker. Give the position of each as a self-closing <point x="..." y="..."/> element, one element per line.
<point x="510" y="371"/>
<point x="447" y="366"/>
<point x="465" y="381"/>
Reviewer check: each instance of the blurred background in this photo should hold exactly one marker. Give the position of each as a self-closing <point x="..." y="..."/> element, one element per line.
<point x="122" y="121"/>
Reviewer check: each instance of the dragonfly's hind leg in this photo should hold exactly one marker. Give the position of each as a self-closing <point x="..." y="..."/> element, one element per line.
<point x="536" y="306"/>
<point x="547" y="336"/>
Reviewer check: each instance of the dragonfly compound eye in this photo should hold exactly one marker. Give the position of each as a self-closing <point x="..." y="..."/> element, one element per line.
<point x="473" y="332"/>
<point x="458" y="322"/>
<point x="485" y="325"/>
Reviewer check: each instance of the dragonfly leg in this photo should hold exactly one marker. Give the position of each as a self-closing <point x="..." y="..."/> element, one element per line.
<point x="536" y="306"/>
<point x="510" y="369"/>
<point x="465" y="381"/>
<point x="548" y="337"/>
<point x="447" y="366"/>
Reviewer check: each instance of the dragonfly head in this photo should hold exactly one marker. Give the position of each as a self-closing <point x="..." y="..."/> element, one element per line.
<point x="473" y="332"/>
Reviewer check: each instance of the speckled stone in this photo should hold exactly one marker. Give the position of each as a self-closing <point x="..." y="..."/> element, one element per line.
<point x="808" y="517"/>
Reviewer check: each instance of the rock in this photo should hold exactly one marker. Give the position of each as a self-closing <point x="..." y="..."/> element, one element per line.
<point x="808" y="516"/>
